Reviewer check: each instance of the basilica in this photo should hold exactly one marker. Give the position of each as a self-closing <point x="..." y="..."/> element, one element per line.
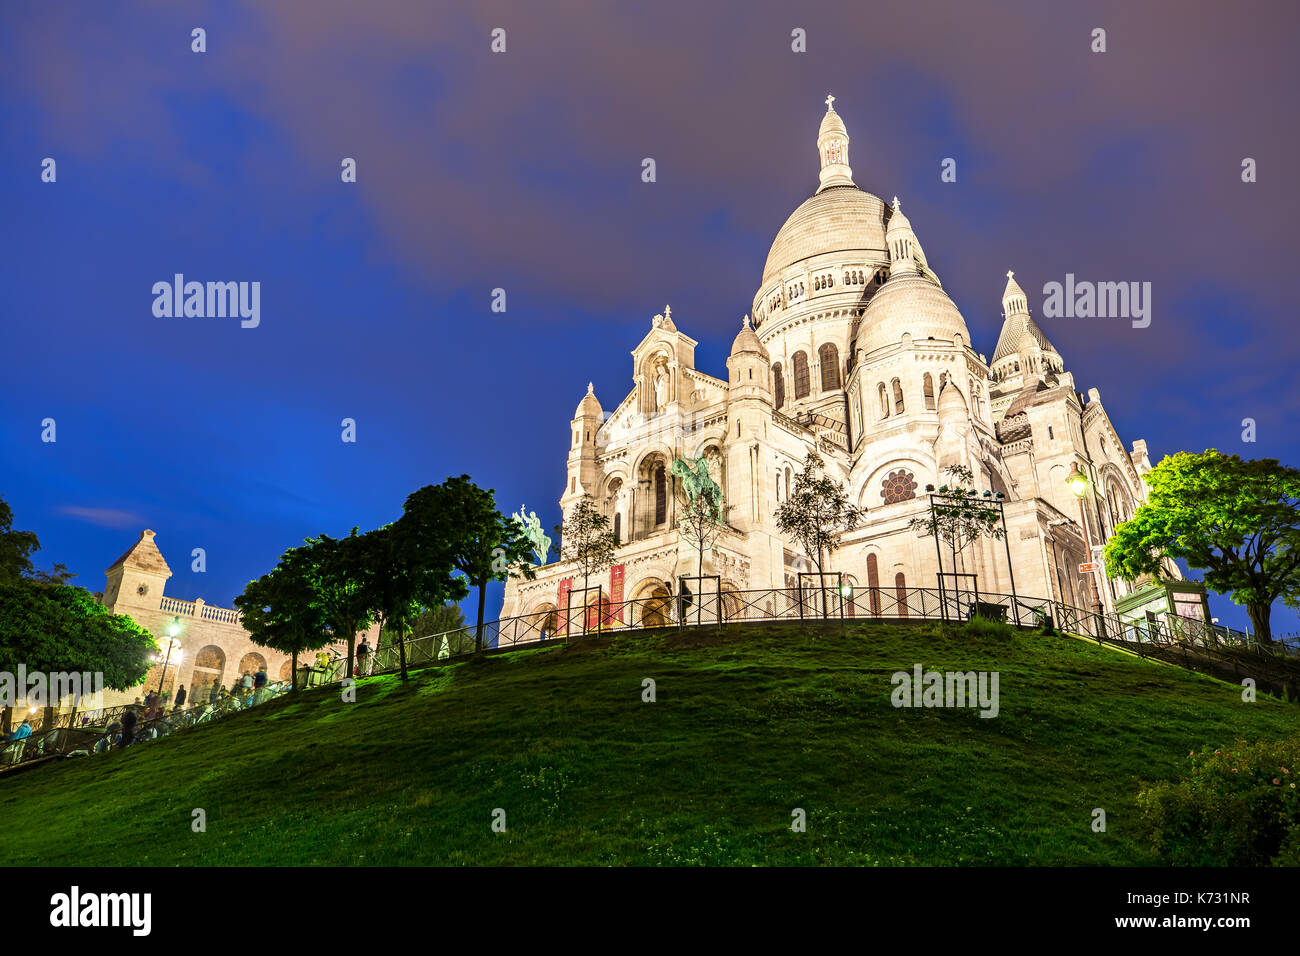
<point x="852" y="349"/>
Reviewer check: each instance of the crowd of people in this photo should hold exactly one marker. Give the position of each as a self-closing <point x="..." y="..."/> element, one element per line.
<point x="155" y="713"/>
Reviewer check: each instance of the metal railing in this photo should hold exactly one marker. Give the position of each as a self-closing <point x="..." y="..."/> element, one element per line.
<point x="1184" y="641"/>
<point x="97" y="731"/>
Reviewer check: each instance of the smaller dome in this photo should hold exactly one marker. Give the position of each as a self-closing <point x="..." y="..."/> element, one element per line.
<point x="831" y="123"/>
<point x="898" y="223"/>
<point x="589" y="406"/>
<point x="747" y="341"/>
<point x="909" y="303"/>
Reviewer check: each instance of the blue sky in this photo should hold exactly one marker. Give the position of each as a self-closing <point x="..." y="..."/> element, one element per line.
<point x="522" y="171"/>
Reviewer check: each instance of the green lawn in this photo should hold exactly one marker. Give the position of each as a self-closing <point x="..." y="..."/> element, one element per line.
<point x="749" y="724"/>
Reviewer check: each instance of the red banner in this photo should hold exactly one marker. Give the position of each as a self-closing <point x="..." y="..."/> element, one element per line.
<point x="615" y="594"/>
<point x="561" y="605"/>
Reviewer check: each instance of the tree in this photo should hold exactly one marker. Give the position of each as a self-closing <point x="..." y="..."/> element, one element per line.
<point x="52" y="628"/>
<point x="959" y="515"/>
<point x="339" y="571"/>
<point x="815" y="513"/>
<point x="482" y="544"/>
<point x="1236" y="519"/>
<point x="16" y="550"/>
<point x="700" y="519"/>
<point x="587" y="541"/>
<point x="281" y="609"/>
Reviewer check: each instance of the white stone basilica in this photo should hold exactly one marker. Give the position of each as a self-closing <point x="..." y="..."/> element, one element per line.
<point x="854" y="350"/>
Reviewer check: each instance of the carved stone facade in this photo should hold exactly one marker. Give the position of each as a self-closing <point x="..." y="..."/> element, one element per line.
<point x="854" y="350"/>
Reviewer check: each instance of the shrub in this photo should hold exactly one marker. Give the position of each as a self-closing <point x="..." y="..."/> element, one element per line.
<point x="979" y="626"/>
<point x="1238" y="807"/>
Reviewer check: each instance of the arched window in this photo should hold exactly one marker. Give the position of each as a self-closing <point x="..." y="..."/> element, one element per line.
<point x="884" y="400"/>
<point x="898" y="397"/>
<point x="829" y="356"/>
<point x="928" y="384"/>
<point x="900" y="593"/>
<point x="873" y="584"/>
<point x="787" y="483"/>
<point x="661" y="495"/>
<point x="800" y="375"/>
<point x="778" y="384"/>
<point x="618" y="527"/>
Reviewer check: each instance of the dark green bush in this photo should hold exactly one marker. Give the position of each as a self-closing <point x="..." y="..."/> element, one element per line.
<point x="1238" y="807"/>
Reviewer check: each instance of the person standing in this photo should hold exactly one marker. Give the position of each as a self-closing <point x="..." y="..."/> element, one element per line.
<point x="215" y="693"/>
<point x="180" y="696"/>
<point x="246" y="685"/>
<point x="128" y="727"/>
<point x="259" y="686"/>
<point x="363" y="658"/>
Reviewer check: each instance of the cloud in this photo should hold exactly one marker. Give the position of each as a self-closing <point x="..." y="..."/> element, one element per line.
<point x="104" y="517"/>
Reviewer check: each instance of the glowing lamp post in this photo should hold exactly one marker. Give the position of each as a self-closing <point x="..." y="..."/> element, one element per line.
<point x="1078" y="484"/>
<point x="173" y="647"/>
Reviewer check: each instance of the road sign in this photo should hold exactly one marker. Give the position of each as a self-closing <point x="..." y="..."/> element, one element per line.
<point x="1088" y="567"/>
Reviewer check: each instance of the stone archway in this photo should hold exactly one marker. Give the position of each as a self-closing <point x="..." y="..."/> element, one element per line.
<point x="652" y="604"/>
<point x="250" y="663"/>
<point x="286" y="670"/>
<point x="209" y="671"/>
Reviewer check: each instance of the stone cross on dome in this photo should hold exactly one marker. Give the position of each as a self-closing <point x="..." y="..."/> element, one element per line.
<point x="1010" y="273"/>
<point x="829" y="101"/>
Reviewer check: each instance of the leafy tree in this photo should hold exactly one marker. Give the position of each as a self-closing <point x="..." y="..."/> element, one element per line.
<point x="413" y="564"/>
<point x="339" y="573"/>
<point x="816" y="512"/>
<point x="959" y="515"/>
<point x="59" y="628"/>
<point x="587" y="541"/>
<point x="1236" y="519"/>
<point x="281" y="609"/>
<point x="482" y="544"/>
<point x="16" y="550"/>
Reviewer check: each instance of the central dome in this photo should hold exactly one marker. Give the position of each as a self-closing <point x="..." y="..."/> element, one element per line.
<point x="838" y="219"/>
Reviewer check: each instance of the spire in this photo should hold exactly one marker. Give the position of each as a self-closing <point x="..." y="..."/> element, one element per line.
<point x="833" y="149"/>
<point x="904" y="250"/>
<point x="1014" y="301"/>
<point x="1017" y="323"/>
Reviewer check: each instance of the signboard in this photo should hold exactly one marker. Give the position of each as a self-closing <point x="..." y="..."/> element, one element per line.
<point x="1088" y="567"/>
<point x="561" y="604"/>
<point x="615" y="594"/>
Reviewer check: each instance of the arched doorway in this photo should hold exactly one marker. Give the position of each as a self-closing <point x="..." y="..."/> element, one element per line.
<point x="250" y="663"/>
<point x="286" y="670"/>
<point x="652" y="604"/>
<point x="209" y="671"/>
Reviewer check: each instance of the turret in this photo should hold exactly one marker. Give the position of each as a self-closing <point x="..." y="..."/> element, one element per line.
<point x="749" y="367"/>
<point x="137" y="578"/>
<point x="582" y="477"/>
<point x="833" y="148"/>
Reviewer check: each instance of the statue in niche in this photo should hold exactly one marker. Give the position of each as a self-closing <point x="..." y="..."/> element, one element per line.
<point x="661" y="387"/>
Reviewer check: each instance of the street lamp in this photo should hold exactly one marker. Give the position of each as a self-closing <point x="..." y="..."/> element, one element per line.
<point x="1078" y="484"/>
<point x="173" y="629"/>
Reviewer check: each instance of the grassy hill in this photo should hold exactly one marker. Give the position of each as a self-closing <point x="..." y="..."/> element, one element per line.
<point x="750" y="723"/>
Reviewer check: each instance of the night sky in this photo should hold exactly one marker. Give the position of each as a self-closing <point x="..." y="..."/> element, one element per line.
<point x="522" y="171"/>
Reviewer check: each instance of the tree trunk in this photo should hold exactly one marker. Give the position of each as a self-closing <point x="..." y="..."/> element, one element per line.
<point x="352" y="644"/>
<point x="7" y="721"/>
<point x="293" y="670"/>
<point x="1259" y="617"/>
<point x="478" y="627"/>
<point x="401" y="649"/>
